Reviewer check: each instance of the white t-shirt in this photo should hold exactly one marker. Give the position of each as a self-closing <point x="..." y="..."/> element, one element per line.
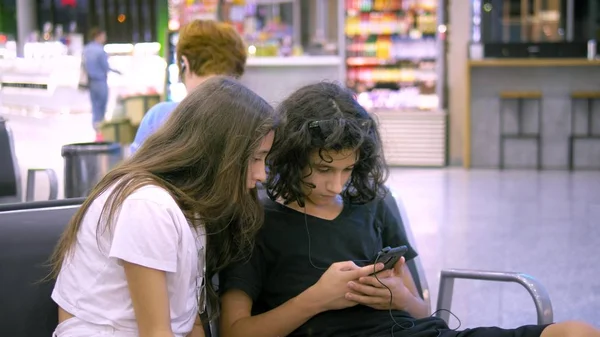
<point x="150" y="230"/>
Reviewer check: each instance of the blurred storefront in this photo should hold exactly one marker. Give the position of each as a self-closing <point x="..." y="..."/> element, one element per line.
<point x="533" y="85"/>
<point x="391" y="53"/>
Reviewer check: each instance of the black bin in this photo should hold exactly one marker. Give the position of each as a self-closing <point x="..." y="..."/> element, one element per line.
<point x="86" y="163"/>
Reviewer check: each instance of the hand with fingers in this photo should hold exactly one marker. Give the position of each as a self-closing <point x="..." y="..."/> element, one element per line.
<point x="330" y="291"/>
<point x="384" y="292"/>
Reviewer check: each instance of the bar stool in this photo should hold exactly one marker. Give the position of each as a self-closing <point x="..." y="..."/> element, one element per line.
<point x="521" y="97"/>
<point x="589" y="97"/>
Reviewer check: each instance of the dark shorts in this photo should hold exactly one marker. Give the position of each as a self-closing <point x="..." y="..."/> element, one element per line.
<point x="435" y="327"/>
<point x="523" y="331"/>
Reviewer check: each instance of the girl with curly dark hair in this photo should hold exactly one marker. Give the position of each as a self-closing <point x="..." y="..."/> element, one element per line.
<point x="325" y="126"/>
<point x="310" y="273"/>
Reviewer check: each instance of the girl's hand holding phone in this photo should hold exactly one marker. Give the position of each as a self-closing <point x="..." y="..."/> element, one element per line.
<point x="383" y="291"/>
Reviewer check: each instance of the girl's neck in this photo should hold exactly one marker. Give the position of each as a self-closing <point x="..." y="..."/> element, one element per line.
<point x="327" y="212"/>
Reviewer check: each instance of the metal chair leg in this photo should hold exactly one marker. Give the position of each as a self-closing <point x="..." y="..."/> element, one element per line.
<point x="570" y="147"/>
<point x="571" y="152"/>
<point x="539" y="136"/>
<point x="52" y="181"/>
<point x="501" y="145"/>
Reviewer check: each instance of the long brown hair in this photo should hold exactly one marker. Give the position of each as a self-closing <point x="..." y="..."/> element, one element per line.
<point x="200" y="156"/>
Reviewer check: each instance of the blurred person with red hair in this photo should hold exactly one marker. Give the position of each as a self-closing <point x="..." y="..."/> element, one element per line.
<point x="205" y="49"/>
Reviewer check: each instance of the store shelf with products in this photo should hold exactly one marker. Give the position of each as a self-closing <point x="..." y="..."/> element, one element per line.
<point x="272" y="31"/>
<point x="290" y="29"/>
<point x="267" y="26"/>
<point x="181" y="12"/>
<point x="300" y="41"/>
<point x="392" y="63"/>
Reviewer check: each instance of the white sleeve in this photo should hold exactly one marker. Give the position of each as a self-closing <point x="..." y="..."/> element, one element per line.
<point x="145" y="233"/>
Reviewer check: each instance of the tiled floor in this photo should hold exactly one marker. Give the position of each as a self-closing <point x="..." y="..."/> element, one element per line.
<point x="544" y="224"/>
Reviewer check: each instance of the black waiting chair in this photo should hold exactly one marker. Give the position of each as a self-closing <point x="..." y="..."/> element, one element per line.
<point x="10" y="174"/>
<point x="28" y="234"/>
<point x="28" y="237"/>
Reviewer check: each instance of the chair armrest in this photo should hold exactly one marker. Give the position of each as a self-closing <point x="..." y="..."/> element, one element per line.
<point x="538" y="292"/>
<point x="52" y="180"/>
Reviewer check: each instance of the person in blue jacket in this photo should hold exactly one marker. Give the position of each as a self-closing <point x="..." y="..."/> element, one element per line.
<point x="95" y="61"/>
<point x="205" y="49"/>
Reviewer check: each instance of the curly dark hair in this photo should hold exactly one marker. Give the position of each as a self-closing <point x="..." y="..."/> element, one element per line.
<point x="325" y="117"/>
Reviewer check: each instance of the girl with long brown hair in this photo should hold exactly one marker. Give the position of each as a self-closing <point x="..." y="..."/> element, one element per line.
<point x="136" y="257"/>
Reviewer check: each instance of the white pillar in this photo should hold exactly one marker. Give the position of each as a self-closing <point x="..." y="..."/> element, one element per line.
<point x="26" y="22"/>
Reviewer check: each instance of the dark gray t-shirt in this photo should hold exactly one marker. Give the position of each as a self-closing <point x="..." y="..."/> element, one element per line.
<point x="279" y="268"/>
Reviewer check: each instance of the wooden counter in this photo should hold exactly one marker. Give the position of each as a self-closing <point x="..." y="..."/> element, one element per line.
<point x="556" y="79"/>
<point x="532" y="62"/>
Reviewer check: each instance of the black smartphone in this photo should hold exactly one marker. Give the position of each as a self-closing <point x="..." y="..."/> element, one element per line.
<point x="390" y="256"/>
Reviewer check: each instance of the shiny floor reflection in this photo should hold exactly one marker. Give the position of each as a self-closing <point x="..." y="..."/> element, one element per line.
<point x="544" y="224"/>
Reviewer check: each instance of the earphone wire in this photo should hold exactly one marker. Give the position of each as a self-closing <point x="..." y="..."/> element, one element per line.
<point x="396" y="324"/>
<point x="309" y="243"/>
